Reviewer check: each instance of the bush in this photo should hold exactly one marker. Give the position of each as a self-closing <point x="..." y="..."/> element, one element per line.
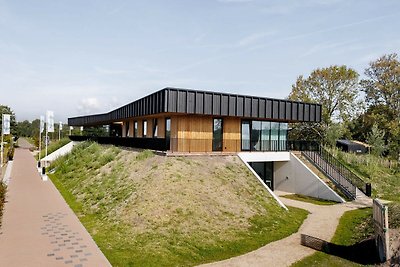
<point x="10" y="153"/>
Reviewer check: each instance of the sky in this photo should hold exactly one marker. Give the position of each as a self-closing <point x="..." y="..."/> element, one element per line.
<point x="78" y="57"/>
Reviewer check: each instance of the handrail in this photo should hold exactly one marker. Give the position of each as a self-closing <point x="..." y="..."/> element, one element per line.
<point x="343" y="170"/>
<point x="346" y="179"/>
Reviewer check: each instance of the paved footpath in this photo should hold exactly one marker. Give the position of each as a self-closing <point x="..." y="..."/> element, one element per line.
<point x="39" y="228"/>
<point x="321" y="222"/>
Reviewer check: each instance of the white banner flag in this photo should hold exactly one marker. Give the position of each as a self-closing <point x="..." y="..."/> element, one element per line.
<point x="50" y="121"/>
<point x="41" y="127"/>
<point x="6" y="124"/>
<point x="60" y="126"/>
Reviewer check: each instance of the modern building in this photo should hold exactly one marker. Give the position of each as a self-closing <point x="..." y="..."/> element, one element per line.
<point x="201" y="121"/>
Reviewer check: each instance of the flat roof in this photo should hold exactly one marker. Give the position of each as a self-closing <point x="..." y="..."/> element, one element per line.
<point x="189" y="101"/>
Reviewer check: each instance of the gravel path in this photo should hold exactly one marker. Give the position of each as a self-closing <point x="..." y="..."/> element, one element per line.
<point x="321" y="222"/>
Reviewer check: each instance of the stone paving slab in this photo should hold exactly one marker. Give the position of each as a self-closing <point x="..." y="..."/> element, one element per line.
<point x="39" y="228"/>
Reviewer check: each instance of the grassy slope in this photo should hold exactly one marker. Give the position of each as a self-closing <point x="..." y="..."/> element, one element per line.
<point x="148" y="210"/>
<point x="53" y="146"/>
<point x="385" y="182"/>
<point x="354" y="226"/>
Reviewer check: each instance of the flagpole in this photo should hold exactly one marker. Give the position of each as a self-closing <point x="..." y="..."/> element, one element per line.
<point x="40" y="144"/>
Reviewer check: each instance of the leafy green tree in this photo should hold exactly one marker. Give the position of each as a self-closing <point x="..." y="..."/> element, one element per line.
<point x="382" y="95"/>
<point x="376" y="140"/>
<point x="382" y="86"/>
<point x="336" y="89"/>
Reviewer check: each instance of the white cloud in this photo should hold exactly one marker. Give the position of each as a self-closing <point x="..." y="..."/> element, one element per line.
<point x="89" y="105"/>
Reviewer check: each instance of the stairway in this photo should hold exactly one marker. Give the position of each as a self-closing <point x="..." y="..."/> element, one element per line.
<point x="320" y="174"/>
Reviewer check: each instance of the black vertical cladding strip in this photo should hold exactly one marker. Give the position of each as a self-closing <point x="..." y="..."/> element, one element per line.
<point x="232" y="106"/>
<point x="224" y="105"/>
<point x="247" y="106"/>
<point x="216" y="104"/>
<point x="199" y="103"/>
<point x="288" y="115"/>
<point x="182" y="96"/>
<point x="191" y="102"/>
<point x="282" y="109"/>
<point x="275" y="109"/>
<point x="261" y="108"/>
<point x="254" y="107"/>
<point x="208" y="103"/>
<point x="165" y="97"/>
<point x="268" y="109"/>
<point x="318" y="113"/>
<point x="306" y="112"/>
<point x="301" y="111"/>
<point x="239" y="106"/>
<point x="312" y="112"/>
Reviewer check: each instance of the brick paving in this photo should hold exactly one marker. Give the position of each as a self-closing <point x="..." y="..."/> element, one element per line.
<point x="39" y="228"/>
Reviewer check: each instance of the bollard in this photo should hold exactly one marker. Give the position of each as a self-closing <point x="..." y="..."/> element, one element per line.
<point x="38" y="164"/>
<point x="43" y="170"/>
<point x="368" y="189"/>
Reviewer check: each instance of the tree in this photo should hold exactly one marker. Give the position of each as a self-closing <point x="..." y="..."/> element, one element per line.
<point x="382" y="94"/>
<point x="376" y="140"/>
<point x="336" y="89"/>
<point x="382" y="87"/>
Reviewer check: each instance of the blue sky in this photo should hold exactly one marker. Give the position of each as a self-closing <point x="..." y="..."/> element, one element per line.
<point x="82" y="57"/>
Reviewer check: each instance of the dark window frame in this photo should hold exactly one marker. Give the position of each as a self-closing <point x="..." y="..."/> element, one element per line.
<point x="221" y="141"/>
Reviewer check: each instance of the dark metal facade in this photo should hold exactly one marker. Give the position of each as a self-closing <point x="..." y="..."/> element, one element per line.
<point x="185" y="101"/>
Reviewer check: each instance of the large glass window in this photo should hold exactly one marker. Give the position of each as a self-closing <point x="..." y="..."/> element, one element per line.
<point x="283" y="135"/>
<point x="155" y="128"/>
<point x="167" y="128"/>
<point x="135" y="129"/>
<point x="144" y="128"/>
<point x="245" y="135"/>
<point x="217" y="135"/>
<point x="255" y="138"/>
<point x="265" y="135"/>
<point x="274" y="136"/>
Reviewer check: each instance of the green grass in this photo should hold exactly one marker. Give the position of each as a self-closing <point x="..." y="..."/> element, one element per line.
<point x="3" y="189"/>
<point x="385" y="181"/>
<point x="354" y="226"/>
<point x="94" y="180"/>
<point x="312" y="200"/>
<point x="53" y="146"/>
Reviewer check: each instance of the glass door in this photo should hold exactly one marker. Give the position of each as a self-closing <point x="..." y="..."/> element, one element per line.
<point x="217" y="135"/>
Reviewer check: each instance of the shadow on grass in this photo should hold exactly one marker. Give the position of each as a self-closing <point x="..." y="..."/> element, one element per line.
<point x="363" y="252"/>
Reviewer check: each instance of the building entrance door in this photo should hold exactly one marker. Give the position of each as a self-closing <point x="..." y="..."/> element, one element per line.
<point x="266" y="172"/>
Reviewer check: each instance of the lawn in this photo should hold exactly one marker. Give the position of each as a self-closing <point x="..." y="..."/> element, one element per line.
<point x="148" y="210"/>
<point x="354" y="227"/>
<point x="312" y="200"/>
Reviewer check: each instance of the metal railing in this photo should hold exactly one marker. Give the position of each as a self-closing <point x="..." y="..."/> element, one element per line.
<point x="343" y="177"/>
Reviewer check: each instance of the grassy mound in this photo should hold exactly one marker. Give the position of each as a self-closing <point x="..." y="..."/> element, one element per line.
<point x="149" y="210"/>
